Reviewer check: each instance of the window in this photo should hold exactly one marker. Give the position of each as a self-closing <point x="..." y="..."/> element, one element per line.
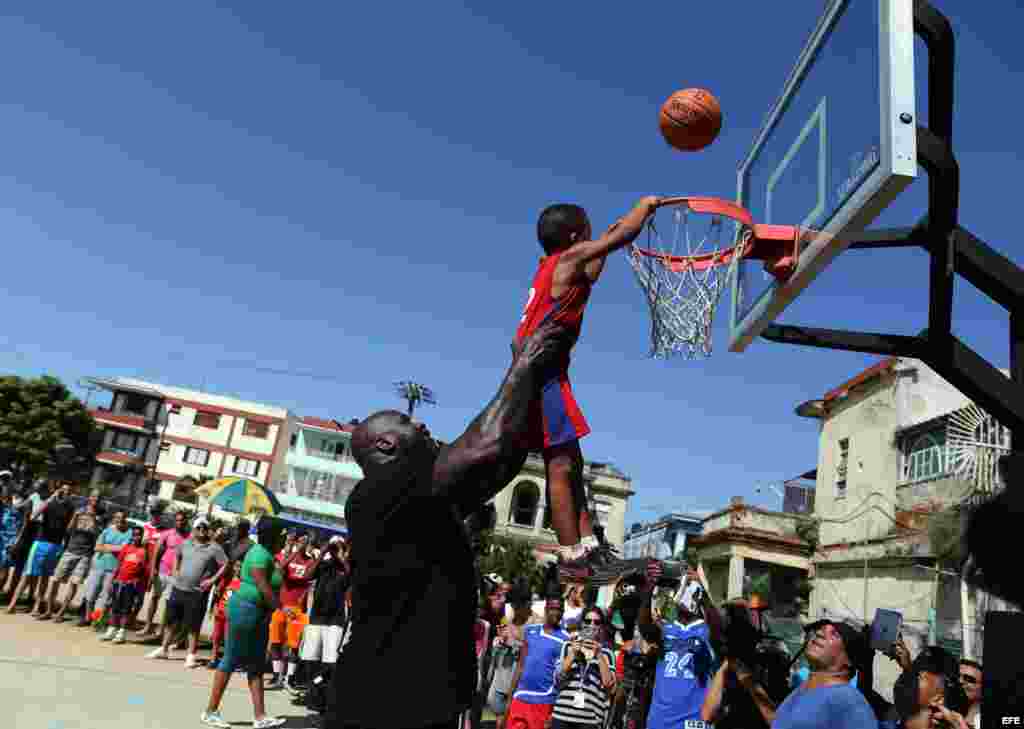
<point x="125" y="442"/>
<point x="207" y="420"/>
<point x="247" y="467"/>
<point x="175" y="409"/>
<point x="197" y="456"/>
<point x="133" y="403"/>
<point x="844" y="459"/>
<point x="525" y="500"/>
<point x="292" y="441"/>
<point x="254" y="429"/>
<point x="924" y="456"/>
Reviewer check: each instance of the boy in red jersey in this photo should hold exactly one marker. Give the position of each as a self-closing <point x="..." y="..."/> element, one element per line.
<point x="128" y="587"/>
<point x="560" y="289"/>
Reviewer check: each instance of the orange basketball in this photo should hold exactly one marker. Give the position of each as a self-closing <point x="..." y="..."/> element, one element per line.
<point x="690" y="119"/>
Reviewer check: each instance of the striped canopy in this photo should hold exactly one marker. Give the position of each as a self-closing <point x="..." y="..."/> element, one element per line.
<point x="240" y="496"/>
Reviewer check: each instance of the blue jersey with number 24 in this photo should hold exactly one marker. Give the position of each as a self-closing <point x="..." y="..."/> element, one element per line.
<point x="679" y="690"/>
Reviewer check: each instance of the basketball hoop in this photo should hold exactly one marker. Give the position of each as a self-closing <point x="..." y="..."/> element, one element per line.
<point x="689" y="259"/>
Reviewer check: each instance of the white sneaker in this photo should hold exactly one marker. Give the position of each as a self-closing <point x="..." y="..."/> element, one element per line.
<point x="267" y="722"/>
<point x="190" y="661"/>
<point x="119" y="636"/>
<point x="213" y="718"/>
<point x="159" y="653"/>
<point x="109" y="635"/>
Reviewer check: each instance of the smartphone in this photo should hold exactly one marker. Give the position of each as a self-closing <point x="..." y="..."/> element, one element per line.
<point x="885" y="629"/>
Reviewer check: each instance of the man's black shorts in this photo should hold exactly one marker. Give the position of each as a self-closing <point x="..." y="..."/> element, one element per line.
<point x="186" y="608"/>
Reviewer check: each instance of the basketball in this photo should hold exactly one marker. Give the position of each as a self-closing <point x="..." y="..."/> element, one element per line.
<point x="690" y="119"/>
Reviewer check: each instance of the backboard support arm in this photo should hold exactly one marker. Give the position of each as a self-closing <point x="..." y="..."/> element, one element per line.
<point x="953" y="250"/>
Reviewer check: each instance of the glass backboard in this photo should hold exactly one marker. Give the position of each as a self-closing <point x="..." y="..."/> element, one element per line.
<point x="838" y="146"/>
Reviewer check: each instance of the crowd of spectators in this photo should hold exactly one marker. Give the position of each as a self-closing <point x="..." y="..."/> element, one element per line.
<point x="278" y="603"/>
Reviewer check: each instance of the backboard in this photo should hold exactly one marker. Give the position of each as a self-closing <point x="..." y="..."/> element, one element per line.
<point x="837" y="147"/>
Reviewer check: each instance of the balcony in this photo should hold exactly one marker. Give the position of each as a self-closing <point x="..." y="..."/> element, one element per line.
<point x="123" y="419"/>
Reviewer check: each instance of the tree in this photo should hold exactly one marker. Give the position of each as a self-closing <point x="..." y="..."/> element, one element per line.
<point x="513" y="559"/>
<point x="37" y="414"/>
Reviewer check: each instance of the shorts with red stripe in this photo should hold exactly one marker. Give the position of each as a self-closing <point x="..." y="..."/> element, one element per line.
<point x="522" y="715"/>
<point x="555" y="417"/>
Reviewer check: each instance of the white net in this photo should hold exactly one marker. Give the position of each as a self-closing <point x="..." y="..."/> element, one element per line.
<point x="683" y="270"/>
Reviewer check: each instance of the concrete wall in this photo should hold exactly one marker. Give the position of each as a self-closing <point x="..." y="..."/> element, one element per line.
<point x="869" y="423"/>
<point x="839" y="592"/>
<point x="182" y="425"/>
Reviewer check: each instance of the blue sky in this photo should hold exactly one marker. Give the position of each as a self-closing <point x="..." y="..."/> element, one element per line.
<point x="195" y="192"/>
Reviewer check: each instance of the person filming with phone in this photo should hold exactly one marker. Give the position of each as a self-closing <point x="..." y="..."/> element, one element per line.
<point x="587" y="677"/>
<point x="751" y="682"/>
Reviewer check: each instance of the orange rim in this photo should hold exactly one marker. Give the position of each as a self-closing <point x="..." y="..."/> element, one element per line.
<point x="771" y="243"/>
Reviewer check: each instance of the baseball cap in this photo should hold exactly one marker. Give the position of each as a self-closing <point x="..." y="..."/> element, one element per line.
<point x="201" y="521"/>
<point x="853" y="639"/>
<point x="336" y="540"/>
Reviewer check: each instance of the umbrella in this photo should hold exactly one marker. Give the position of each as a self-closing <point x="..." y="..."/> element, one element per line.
<point x="240" y="495"/>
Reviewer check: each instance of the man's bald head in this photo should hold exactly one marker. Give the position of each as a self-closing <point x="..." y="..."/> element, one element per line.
<point x="388" y="436"/>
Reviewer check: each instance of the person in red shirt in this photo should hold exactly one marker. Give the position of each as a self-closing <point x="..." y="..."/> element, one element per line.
<point x="561" y="287"/>
<point x="287" y="623"/>
<point x="128" y="587"/>
<point x="230" y="583"/>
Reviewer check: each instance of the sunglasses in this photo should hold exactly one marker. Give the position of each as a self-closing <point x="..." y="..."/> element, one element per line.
<point x="967" y="678"/>
<point x="592" y="622"/>
<point x="204" y="527"/>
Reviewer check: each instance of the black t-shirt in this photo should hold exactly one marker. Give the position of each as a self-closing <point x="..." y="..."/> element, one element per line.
<point x="55" y="521"/>
<point x="738" y="708"/>
<point x="410" y="634"/>
<point x="329" y="596"/>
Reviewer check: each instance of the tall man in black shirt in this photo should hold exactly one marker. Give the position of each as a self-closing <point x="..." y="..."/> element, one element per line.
<point x="407" y="659"/>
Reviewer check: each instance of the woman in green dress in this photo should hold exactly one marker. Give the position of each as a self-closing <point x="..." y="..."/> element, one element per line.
<point x="248" y="613"/>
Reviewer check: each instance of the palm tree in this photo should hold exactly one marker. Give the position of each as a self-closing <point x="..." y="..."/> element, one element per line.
<point x="415" y="394"/>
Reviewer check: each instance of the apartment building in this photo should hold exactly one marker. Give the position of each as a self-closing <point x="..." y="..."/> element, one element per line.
<point x="156" y="435"/>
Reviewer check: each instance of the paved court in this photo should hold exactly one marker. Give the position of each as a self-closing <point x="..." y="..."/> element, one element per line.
<point x="62" y="677"/>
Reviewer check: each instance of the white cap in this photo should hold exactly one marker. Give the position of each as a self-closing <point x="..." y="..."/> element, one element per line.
<point x="336" y="539"/>
<point x="201" y="521"/>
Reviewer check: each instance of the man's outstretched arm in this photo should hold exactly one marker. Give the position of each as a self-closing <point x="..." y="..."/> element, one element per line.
<point x="483" y="460"/>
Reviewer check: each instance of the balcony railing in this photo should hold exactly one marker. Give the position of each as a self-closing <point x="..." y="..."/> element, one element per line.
<point x="343" y="457"/>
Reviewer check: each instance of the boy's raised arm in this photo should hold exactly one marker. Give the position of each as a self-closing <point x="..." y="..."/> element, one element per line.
<point x="574" y="262"/>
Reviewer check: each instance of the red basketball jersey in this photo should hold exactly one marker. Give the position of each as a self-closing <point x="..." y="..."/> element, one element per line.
<point x="541" y="306"/>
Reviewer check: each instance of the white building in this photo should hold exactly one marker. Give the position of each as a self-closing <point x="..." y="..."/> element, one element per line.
<point x="156" y="435"/>
<point x="523" y="511"/>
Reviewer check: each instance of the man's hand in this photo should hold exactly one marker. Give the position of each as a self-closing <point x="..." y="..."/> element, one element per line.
<point x="901" y="654"/>
<point x="545" y="346"/>
<point x="654" y="573"/>
<point x="944" y="718"/>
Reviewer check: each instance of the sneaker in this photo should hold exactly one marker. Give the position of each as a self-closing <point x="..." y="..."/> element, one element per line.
<point x="294" y="687"/>
<point x="593" y="560"/>
<point x="276" y="682"/>
<point x="267" y="721"/>
<point x="190" y="661"/>
<point x="213" y="718"/>
<point x="119" y="636"/>
<point x="159" y="653"/>
<point x="83" y="623"/>
<point x="109" y="635"/>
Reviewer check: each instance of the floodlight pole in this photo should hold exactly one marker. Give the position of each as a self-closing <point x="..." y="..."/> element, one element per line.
<point x="953" y="250"/>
